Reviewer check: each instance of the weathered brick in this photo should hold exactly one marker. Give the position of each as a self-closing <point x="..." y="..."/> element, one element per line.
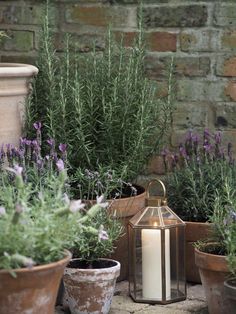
<point x="225" y="115"/>
<point x="226" y="66"/>
<point x="156" y="67"/>
<point x="118" y="16"/>
<point x="230" y="90"/>
<point x="199" y="40"/>
<point x="161" y="41"/>
<point x="19" y="41"/>
<point x="175" y="16"/>
<point x="225" y="14"/>
<point x="128" y="37"/>
<point x="194" y="90"/>
<point x="82" y="43"/>
<point x="228" y="40"/>
<point x="189" y="115"/>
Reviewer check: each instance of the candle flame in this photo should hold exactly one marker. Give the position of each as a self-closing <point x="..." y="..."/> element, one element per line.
<point x="155" y="224"/>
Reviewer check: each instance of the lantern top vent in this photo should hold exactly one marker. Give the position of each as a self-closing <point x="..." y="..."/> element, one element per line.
<point x="157" y="214"/>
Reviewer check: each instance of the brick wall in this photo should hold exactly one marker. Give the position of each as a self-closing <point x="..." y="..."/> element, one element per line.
<point x="200" y="34"/>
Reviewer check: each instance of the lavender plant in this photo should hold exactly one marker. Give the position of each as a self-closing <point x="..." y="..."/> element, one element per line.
<point x="223" y="236"/>
<point x="199" y="170"/>
<point x="100" y="104"/>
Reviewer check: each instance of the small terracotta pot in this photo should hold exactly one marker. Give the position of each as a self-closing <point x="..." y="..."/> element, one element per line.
<point x="230" y="293"/>
<point x="33" y="291"/>
<point x="90" y="291"/>
<point x="125" y="209"/>
<point x="213" y="271"/>
<point x="195" y="231"/>
<point x="14" y="87"/>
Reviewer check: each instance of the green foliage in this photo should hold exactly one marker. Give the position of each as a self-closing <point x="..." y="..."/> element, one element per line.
<point x="100" y="104"/>
<point x="88" y="246"/>
<point x="200" y="169"/>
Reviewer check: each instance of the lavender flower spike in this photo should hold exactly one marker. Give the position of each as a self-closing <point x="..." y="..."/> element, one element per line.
<point x="76" y="205"/>
<point x="60" y="165"/>
<point x="102" y="234"/>
<point x="17" y="170"/>
<point x="37" y="125"/>
<point x="62" y="147"/>
<point x="100" y="201"/>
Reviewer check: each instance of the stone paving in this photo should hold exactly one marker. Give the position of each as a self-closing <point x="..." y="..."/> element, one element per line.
<point x="123" y="304"/>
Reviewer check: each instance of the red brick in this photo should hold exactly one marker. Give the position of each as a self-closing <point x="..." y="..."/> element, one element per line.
<point x="128" y="38"/>
<point x="230" y="67"/>
<point x="161" y="41"/>
<point x="230" y="90"/>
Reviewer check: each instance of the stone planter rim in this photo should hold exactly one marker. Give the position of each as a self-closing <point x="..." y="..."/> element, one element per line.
<point x="17" y="70"/>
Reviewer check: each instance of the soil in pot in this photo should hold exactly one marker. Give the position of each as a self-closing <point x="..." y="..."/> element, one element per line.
<point x="213" y="271"/>
<point x="90" y="290"/>
<point x="33" y="290"/>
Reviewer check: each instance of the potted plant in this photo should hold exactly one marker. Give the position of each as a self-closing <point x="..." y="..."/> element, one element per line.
<point x="15" y="79"/>
<point x="88" y="271"/>
<point x="212" y="255"/>
<point x="197" y="171"/>
<point x="33" y="207"/>
<point x="230" y="241"/>
<point x="102" y="105"/>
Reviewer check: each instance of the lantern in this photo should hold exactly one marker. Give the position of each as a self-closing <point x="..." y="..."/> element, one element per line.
<point x="157" y="252"/>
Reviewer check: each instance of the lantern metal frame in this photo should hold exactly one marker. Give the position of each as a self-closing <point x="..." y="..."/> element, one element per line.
<point x="157" y="203"/>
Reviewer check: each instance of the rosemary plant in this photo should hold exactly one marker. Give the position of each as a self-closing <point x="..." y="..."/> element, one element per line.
<point x="100" y="104"/>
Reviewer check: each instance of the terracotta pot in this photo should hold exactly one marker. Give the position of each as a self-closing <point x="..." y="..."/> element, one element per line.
<point x="125" y="209"/>
<point x="14" y="88"/>
<point x="230" y="293"/>
<point x="213" y="271"/>
<point x="195" y="231"/>
<point x="90" y="291"/>
<point x="33" y="291"/>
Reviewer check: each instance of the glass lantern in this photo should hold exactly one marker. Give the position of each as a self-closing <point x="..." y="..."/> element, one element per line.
<point x="157" y="252"/>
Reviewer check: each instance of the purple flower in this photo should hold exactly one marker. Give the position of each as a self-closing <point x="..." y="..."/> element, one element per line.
<point x="218" y="137"/>
<point x="62" y="147"/>
<point x="102" y="234"/>
<point x="189" y="136"/>
<point x="37" y="126"/>
<point x="17" y="170"/>
<point x="60" y="165"/>
<point x="51" y="142"/>
<point x="2" y="211"/>
<point x="100" y="201"/>
<point x="183" y="152"/>
<point x="196" y="138"/>
<point x="165" y="152"/>
<point x="207" y="148"/>
<point x="76" y="205"/>
<point x="206" y="134"/>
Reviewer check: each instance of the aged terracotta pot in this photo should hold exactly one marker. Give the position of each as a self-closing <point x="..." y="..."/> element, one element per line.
<point x="125" y="209"/>
<point x="33" y="291"/>
<point x="230" y="293"/>
<point x="213" y="271"/>
<point x="195" y="231"/>
<point x="90" y="291"/>
<point x="14" y="87"/>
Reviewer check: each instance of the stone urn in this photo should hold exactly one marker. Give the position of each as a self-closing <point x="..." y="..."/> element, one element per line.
<point x="14" y="88"/>
<point x="89" y="288"/>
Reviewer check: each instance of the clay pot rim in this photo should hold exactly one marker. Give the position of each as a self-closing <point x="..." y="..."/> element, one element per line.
<point x="67" y="258"/>
<point x="228" y="283"/>
<point x="17" y="70"/>
<point x="92" y="270"/>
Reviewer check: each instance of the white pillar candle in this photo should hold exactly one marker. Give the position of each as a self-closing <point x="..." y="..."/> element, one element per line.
<point x="151" y="264"/>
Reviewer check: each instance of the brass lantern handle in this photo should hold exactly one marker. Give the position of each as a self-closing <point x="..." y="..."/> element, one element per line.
<point x="156" y="200"/>
<point x="156" y="181"/>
